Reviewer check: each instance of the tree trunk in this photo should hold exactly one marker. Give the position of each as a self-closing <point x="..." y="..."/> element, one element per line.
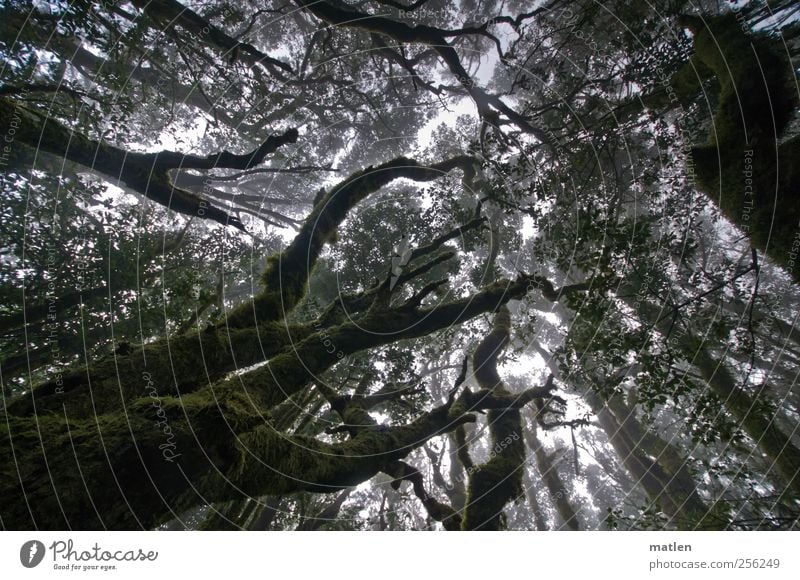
<point x="751" y="416"/>
<point x="743" y="406"/>
<point x="692" y="511"/>
<point x="552" y="480"/>
<point x="499" y="480"/>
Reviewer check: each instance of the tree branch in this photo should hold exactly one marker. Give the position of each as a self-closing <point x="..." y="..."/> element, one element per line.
<point x="488" y="105"/>
<point x="145" y="173"/>
<point x="286" y="274"/>
<point x="439" y="511"/>
<point x="170" y="13"/>
<point x="226" y="159"/>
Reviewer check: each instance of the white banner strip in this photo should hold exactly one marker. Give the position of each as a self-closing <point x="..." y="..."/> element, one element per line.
<point x="389" y="556"/>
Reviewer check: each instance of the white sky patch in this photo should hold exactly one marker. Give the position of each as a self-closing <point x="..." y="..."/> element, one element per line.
<point x="551" y="317"/>
<point x="350" y="143"/>
<point x="287" y="234"/>
<point x="527" y="366"/>
<point x="528" y="230"/>
<point x="426" y="201"/>
<point x="449" y="117"/>
<point x="112" y="192"/>
<point x="188" y="139"/>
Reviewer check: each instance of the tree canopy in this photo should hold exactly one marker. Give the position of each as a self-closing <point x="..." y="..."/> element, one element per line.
<point x="399" y="265"/>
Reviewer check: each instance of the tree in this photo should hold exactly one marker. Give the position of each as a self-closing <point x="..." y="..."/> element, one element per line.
<point x="480" y="258"/>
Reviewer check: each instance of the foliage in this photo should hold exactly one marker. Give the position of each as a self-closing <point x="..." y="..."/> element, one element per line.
<point x="557" y="183"/>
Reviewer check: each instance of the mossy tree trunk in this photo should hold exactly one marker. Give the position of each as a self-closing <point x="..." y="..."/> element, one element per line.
<point x="146" y="464"/>
<point x="133" y="440"/>
<point x="744" y="167"/>
<point x="499" y="480"/>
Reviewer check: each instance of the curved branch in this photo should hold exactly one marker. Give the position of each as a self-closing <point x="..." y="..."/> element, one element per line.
<point x="286" y="274"/>
<point x="294" y="369"/>
<point x="226" y="159"/>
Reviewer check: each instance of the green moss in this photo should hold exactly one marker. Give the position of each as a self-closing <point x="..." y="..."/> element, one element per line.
<point x="753" y="182"/>
<point x="186" y="364"/>
<point x="499" y="480"/>
<point x="494" y="483"/>
<point x="121" y="470"/>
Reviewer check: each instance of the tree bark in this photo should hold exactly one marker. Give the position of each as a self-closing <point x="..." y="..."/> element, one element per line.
<point x="499" y="480"/>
